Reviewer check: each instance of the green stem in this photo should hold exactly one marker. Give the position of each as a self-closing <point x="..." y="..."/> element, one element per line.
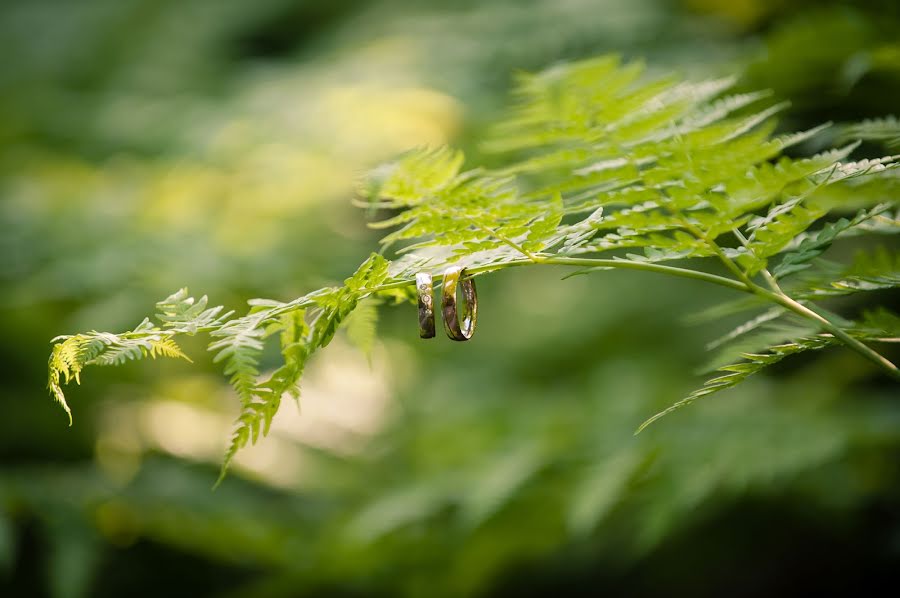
<point x="853" y="343"/>
<point x="767" y="276"/>
<point x="781" y="298"/>
<point x="745" y="284"/>
<point x="648" y="267"/>
<point x="505" y="240"/>
<point x="590" y="263"/>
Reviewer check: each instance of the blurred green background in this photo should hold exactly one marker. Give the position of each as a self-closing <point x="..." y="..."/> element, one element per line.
<point x="147" y="145"/>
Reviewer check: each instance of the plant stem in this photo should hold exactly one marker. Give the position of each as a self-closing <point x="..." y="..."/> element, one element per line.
<point x="648" y="267"/>
<point x="505" y="240"/>
<point x="781" y="298"/>
<point x="806" y="312"/>
<point x="590" y="263"/>
<point x="745" y="284"/>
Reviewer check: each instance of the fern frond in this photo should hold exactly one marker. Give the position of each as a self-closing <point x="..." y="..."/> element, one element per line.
<point x="242" y="344"/>
<point x="780" y="226"/>
<point x="414" y="177"/>
<point x="65" y="364"/>
<point x="597" y="160"/>
<point x="167" y="347"/>
<point x="183" y="313"/>
<point x="668" y="189"/>
<point x="239" y="344"/>
<point x="885" y="130"/>
<point x="747" y="327"/>
<point x="361" y="327"/>
<point x="880" y="324"/>
<point x="875" y="271"/>
<point x="72" y="353"/>
<point x="257" y="413"/>
<point x="735" y="373"/>
<point x="808" y="246"/>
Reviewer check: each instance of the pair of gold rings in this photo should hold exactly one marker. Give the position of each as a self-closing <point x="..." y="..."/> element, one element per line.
<point x="453" y="278"/>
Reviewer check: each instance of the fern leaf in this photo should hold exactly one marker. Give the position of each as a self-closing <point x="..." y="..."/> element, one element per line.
<point x="748" y="326"/>
<point x="885" y="130"/>
<point x="167" y="347"/>
<point x="256" y="414"/>
<point x="371" y="273"/>
<point x="413" y="178"/>
<point x="239" y="344"/>
<point x="183" y="313"/>
<point x="875" y="271"/>
<point x="811" y="246"/>
<point x="72" y="353"/>
<point x="782" y="224"/>
<point x="361" y="327"/>
<point x="735" y="373"/>
<point x="64" y="364"/>
<point x="879" y="324"/>
<point x="843" y="171"/>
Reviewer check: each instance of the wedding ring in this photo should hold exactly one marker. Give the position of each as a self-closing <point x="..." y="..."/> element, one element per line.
<point x="425" y="292"/>
<point x="453" y="277"/>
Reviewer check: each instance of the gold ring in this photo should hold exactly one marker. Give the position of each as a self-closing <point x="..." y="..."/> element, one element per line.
<point x="426" y="305"/>
<point x="452" y="277"/>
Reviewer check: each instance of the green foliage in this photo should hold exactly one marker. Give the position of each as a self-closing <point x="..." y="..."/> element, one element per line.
<point x="141" y="155"/>
<point x="814" y="244"/>
<point x="875" y="271"/>
<point x="733" y="374"/>
<point x="598" y="159"/>
<point x="242" y="342"/>
<point x="884" y="130"/>
<point x="361" y="327"/>
<point x="72" y="353"/>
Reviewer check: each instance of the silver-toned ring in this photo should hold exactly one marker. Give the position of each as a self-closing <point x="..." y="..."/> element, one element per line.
<point x="453" y="277"/>
<point x="425" y="292"/>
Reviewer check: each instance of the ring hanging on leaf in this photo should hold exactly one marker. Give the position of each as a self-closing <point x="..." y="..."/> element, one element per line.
<point x="453" y="277"/>
<point x="426" y="305"/>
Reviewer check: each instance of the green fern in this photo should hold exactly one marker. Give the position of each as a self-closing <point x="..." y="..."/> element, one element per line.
<point x="242" y="344"/>
<point x="598" y="159"/>
<point x="879" y="326"/>
<point x="885" y="130"/>
<point x="239" y="344"/>
<point x="875" y="271"/>
<point x="361" y="327"/>
<point x="182" y="313"/>
<point x="810" y="246"/>
<point x="735" y="373"/>
<point x="72" y="353"/>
